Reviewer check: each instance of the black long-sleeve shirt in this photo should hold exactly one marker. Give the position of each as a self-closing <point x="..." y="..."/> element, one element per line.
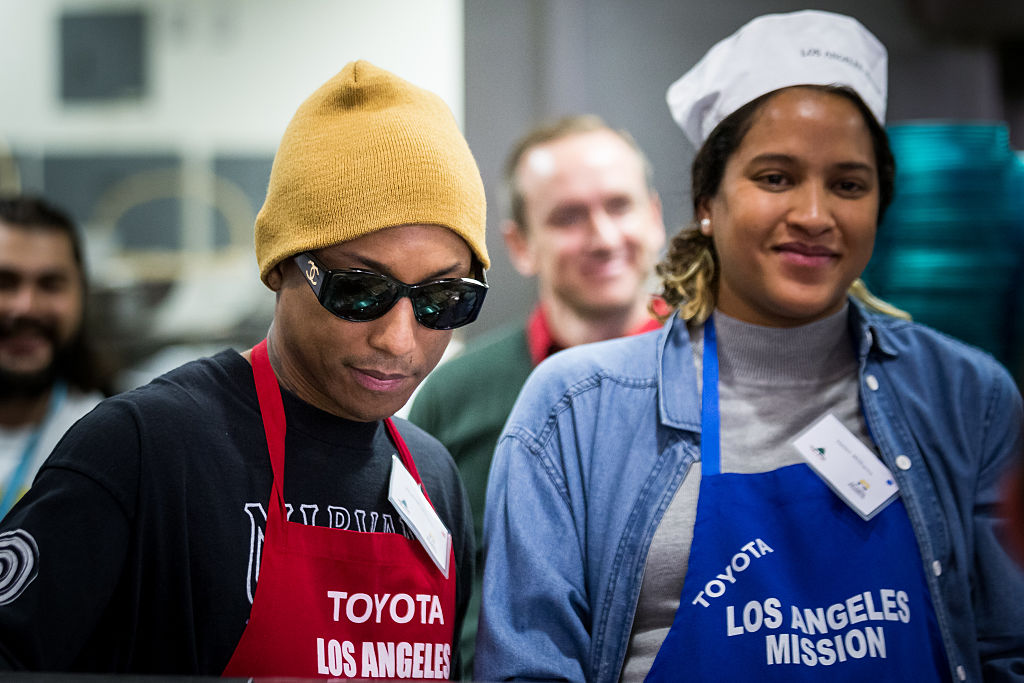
<point x="137" y="547"/>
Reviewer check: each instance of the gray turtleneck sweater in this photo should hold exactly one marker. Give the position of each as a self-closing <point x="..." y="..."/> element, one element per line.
<point x="773" y="383"/>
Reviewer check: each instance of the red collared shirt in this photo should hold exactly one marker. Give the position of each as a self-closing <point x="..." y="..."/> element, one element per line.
<point x="542" y="344"/>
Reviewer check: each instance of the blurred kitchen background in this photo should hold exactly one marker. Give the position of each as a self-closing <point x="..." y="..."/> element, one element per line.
<point x="154" y="122"/>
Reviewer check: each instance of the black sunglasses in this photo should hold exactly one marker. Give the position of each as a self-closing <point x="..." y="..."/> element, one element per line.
<point x="363" y="295"/>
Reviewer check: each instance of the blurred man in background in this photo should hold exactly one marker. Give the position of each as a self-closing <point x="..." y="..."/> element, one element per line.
<point x="585" y="219"/>
<point x="48" y="375"/>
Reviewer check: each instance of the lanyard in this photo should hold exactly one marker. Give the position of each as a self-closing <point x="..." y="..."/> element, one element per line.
<point x="11" y="491"/>
<point x="710" y="422"/>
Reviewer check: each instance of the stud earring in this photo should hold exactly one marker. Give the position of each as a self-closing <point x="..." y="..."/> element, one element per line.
<point x="705" y="226"/>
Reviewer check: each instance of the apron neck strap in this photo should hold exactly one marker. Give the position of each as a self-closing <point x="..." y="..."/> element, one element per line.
<point x="268" y="393"/>
<point x="710" y="422"/>
<point x="404" y="454"/>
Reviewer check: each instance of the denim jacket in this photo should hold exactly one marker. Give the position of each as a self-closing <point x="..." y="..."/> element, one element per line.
<point x="603" y="434"/>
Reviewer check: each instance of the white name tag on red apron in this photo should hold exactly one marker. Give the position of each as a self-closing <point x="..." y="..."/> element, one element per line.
<point x="417" y="513"/>
<point x="850" y="469"/>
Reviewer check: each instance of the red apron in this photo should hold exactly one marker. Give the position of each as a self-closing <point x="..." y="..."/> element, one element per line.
<point x="337" y="603"/>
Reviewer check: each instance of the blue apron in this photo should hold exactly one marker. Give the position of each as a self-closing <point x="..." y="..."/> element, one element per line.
<point x="787" y="583"/>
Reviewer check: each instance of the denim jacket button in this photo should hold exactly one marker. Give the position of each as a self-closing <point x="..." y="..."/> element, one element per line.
<point x="961" y="673"/>
<point x="872" y="382"/>
<point x="937" y="568"/>
<point x="903" y="462"/>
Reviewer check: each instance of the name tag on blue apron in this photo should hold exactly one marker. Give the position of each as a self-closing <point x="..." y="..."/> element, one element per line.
<point x="850" y="469"/>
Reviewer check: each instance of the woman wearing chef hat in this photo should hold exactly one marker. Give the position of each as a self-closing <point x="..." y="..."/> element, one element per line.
<point x="790" y="481"/>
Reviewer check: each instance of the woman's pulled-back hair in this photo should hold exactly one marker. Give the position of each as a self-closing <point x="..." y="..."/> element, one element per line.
<point x="689" y="272"/>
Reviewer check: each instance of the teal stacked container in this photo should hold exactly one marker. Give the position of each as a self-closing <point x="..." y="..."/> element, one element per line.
<point x="950" y="250"/>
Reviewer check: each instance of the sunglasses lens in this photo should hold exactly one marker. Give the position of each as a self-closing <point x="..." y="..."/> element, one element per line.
<point x="446" y="305"/>
<point x="359" y="297"/>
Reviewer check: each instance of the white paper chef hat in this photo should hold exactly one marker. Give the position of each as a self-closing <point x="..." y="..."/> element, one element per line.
<point x="775" y="51"/>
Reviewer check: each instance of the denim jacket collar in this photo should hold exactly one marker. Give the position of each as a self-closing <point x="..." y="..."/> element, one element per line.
<point x="680" y="407"/>
<point x="869" y="337"/>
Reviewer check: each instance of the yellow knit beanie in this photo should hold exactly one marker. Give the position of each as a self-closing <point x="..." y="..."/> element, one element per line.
<point x="368" y="151"/>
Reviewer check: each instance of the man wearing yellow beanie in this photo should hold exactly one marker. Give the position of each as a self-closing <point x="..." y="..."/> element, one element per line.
<point x="161" y="537"/>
